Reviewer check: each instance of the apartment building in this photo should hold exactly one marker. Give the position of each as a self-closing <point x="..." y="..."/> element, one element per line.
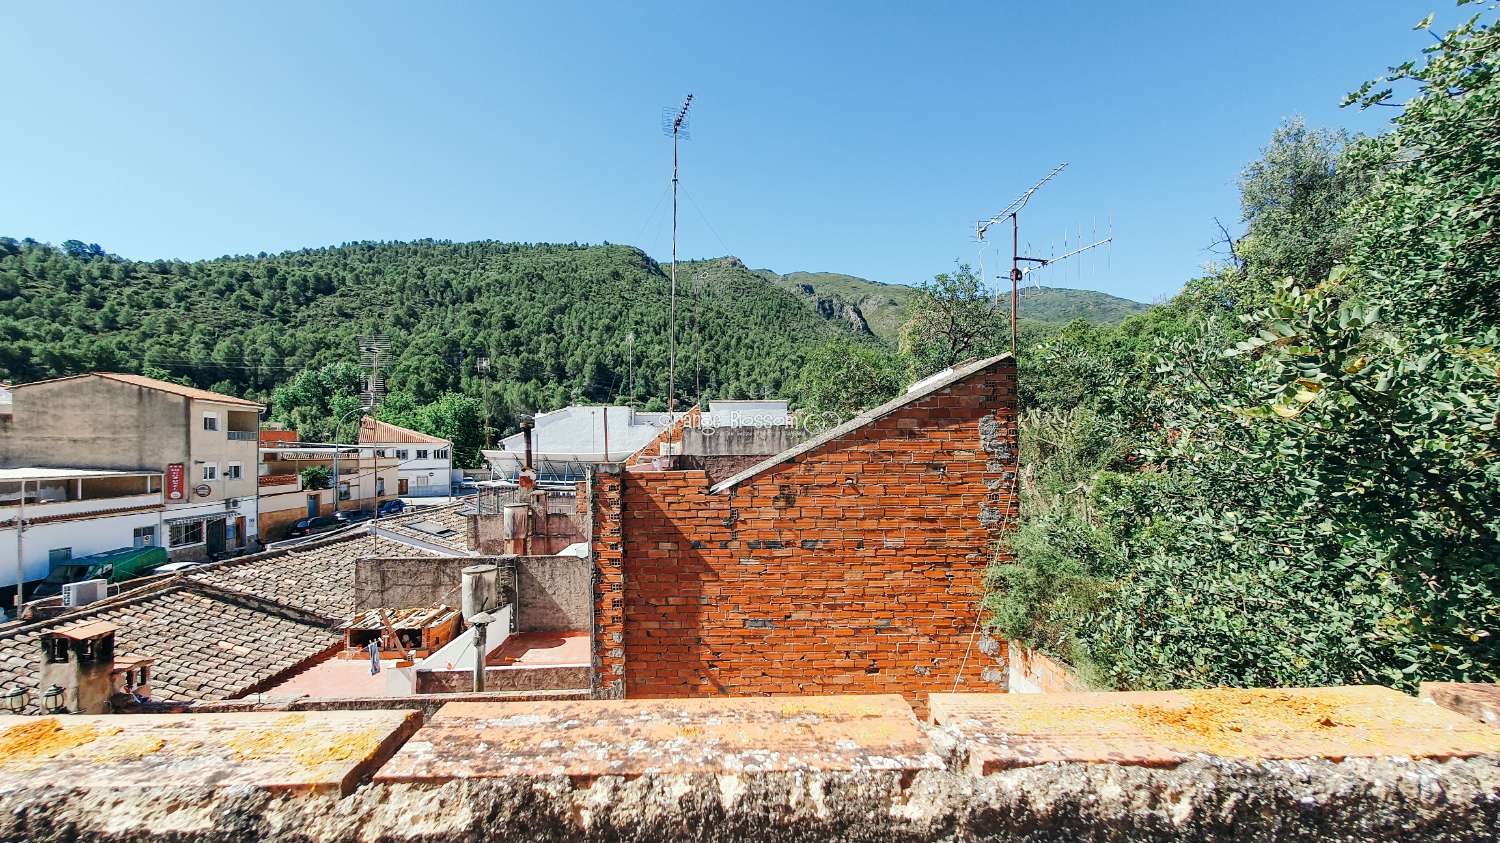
<point x="424" y="463"/>
<point x="202" y="445"/>
<point x="358" y="480"/>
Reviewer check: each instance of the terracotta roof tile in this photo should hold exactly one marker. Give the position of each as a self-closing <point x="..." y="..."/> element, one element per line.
<point x="317" y="578"/>
<point x="375" y="432"/>
<point x="450" y="523"/>
<point x="172" y="624"/>
<point x="160" y="385"/>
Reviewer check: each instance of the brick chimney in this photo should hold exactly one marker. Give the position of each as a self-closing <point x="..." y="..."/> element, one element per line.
<point x="80" y="660"/>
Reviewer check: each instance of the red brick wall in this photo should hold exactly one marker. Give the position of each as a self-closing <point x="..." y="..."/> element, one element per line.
<point x="856" y="568"/>
<point x="672" y="433"/>
<point x="606" y="543"/>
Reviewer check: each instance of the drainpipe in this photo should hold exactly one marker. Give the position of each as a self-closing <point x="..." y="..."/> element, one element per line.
<point x="20" y="560"/>
<point x="479" y="657"/>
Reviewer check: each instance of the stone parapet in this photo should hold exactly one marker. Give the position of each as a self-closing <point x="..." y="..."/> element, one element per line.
<point x="1320" y="764"/>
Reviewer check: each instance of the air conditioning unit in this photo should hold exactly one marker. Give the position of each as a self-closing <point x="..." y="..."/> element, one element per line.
<point x="232" y="503"/>
<point x="76" y="594"/>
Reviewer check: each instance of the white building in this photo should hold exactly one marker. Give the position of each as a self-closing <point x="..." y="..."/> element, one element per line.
<point x="746" y="414"/>
<point x="424" y="463"/>
<point x="357" y="481"/>
<point x="50" y="516"/>
<point x="201" y="444"/>
<point x="566" y="443"/>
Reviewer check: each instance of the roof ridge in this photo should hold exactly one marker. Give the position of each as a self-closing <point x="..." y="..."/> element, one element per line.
<point x="933" y="384"/>
<point x="124" y="598"/>
<point x="261" y="604"/>
<point x="147" y="382"/>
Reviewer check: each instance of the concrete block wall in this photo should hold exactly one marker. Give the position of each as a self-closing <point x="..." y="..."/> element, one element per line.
<point x="855" y="568"/>
<point x="553" y="594"/>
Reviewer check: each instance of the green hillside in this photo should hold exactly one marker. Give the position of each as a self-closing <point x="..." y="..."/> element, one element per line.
<point x="559" y="323"/>
<point x="1062" y="304"/>
<point x="881" y="309"/>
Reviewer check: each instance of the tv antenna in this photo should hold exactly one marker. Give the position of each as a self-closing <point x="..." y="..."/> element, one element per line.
<point x="674" y="123"/>
<point x="374" y="353"/>
<point x="1012" y="212"/>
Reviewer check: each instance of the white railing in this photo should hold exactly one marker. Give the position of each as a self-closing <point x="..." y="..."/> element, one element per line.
<point x="83" y="507"/>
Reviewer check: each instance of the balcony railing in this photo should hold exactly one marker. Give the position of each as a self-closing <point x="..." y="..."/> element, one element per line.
<point x="244" y="436"/>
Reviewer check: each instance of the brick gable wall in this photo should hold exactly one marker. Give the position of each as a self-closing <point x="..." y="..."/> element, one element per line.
<point x="671" y="434"/>
<point x="855" y="568"/>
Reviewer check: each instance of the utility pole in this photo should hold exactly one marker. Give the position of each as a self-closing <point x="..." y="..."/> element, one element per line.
<point x="1012" y="212"/>
<point x="677" y="127"/>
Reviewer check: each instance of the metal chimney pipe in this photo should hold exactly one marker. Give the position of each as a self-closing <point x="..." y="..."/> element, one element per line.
<point x="526" y="425"/>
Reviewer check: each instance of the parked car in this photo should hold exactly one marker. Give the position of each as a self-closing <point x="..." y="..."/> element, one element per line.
<point x="465" y="487"/>
<point x="392" y="507"/>
<point x="177" y="567"/>
<point x="354" y="516"/>
<point x="319" y="524"/>
<point x="113" y="565"/>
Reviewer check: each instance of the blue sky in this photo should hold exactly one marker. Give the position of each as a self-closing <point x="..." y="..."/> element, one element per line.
<point x="860" y="138"/>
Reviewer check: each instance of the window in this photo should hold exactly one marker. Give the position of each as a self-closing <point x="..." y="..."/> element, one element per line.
<point x="210" y="421"/>
<point x="379" y="486"/>
<point x="189" y="533"/>
<point x="210" y="472"/>
<point x="380" y="452"/>
<point x="440" y="454"/>
<point x="421" y="481"/>
<point x="401" y="453"/>
<point x="344" y="490"/>
<point x="233" y="471"/>
<point x="59" y="555"/>
<point x="421" y="453"/>
<point x="143" y="537"/>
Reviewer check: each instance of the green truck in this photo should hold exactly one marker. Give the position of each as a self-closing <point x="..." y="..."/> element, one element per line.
<point x="113" y="565"/>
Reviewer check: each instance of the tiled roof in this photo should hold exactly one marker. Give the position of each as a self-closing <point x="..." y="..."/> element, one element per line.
<point x="159" y="385"/>
<point x="444" y="518"/>
<point x="376" y="432"/>
<point x="223" y="629"/>
<point x="208" y="644"/>
<point x="316" y="578"/>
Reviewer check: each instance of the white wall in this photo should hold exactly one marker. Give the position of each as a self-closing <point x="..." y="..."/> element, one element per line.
<point x="438" y="474"/>
<point x="85" y="536"/>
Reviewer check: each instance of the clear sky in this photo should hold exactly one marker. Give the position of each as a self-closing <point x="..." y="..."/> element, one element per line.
<point x="860" y="138"/>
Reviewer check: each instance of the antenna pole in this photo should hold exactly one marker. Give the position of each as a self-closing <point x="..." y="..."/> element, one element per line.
<point x="1015" y="280"/>
<point x="672" y="336"/>
<point x="676" y="128"/>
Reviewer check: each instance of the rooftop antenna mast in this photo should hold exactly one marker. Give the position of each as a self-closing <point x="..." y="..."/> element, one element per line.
<point x="674" y="123"/>
<point x="1012" y="212"/>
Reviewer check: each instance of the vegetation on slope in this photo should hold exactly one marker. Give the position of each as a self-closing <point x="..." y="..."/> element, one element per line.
<point x="883" y="309"/>
<point x="557" y="323"/>
<point x="1287" y="475"/>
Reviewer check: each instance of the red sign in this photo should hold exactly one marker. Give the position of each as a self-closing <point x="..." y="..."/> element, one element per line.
<point x="176" y="482"/>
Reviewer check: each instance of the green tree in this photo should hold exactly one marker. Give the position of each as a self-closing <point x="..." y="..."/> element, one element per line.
<point x="314" y="477"/>
<point x="952" y="320"/>
<point x="845" y="376"/>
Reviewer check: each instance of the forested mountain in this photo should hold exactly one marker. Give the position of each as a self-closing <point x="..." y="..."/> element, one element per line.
<point x="882" y="309"/>
<point x="558" y="323"/>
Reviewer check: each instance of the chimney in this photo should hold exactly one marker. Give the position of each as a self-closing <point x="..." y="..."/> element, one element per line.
<point x="131" y="677"/>
<point x="528" y="472"/>
<point x="80" y="660"/>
